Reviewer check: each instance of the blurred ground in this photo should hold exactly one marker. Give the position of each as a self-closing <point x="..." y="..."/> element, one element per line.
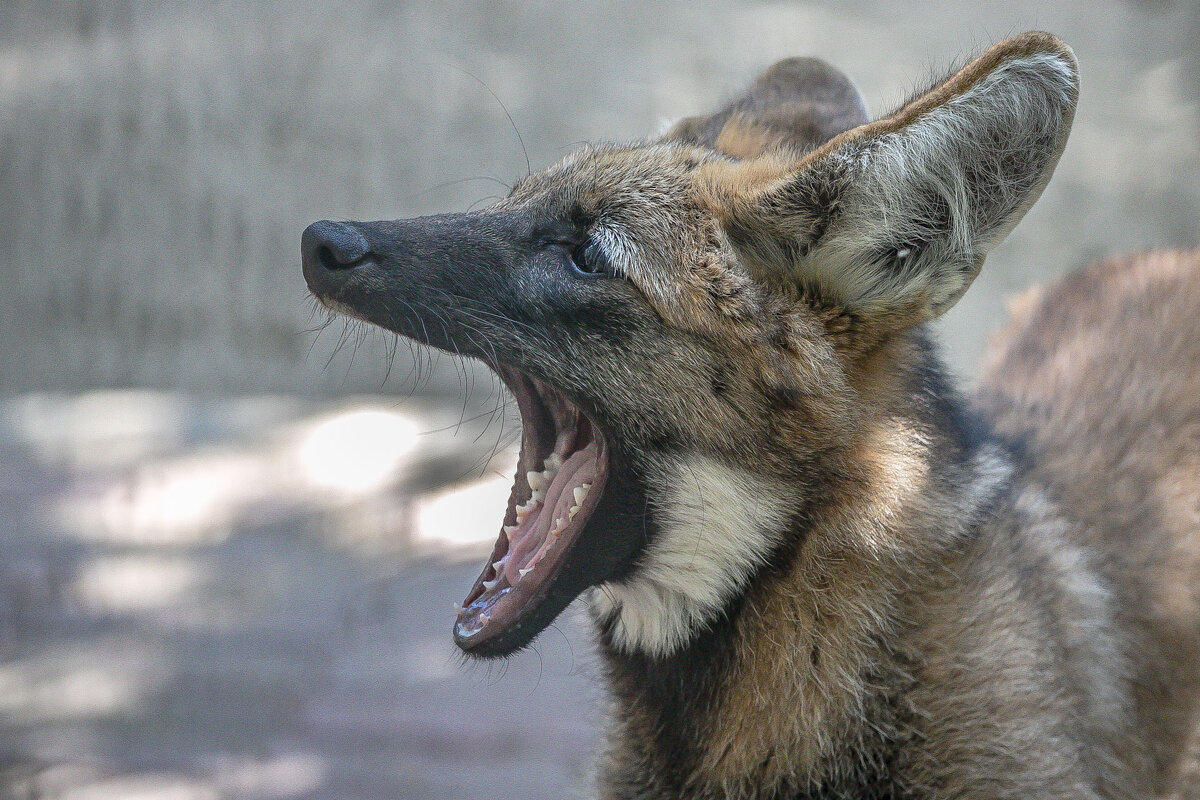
<point x="230" y="546"/>
<point x="253" y="598"/>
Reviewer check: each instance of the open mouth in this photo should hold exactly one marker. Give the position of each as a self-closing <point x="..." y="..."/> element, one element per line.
<point x="560" y="477"/>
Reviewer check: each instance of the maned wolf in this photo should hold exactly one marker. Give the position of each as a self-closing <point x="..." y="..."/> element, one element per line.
<point x="815" y="571"/>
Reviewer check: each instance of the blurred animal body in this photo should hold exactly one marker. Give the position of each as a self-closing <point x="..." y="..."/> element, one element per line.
<point x="815" y="569"/>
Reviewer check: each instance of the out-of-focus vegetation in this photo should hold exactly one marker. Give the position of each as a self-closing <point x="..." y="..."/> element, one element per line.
<point x="158" y="160"/>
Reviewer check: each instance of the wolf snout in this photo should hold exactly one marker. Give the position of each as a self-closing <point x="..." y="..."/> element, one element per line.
<point x="329" y="245"/>
<point x="331" y="253"/>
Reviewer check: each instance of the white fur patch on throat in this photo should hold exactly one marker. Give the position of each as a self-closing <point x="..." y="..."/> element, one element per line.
<point x="717" y="525"/>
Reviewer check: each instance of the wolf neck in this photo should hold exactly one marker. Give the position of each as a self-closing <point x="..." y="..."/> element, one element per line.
<point x="743" y="650"/>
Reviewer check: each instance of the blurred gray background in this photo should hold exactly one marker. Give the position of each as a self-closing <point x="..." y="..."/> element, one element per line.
<point x="231" y="542"/>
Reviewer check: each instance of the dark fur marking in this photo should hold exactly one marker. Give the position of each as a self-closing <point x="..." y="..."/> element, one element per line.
<point x="780" y="396"/>
<point x="669" y="692"/>
<point x="968" y="429"/>
<point x="719" y="380"/>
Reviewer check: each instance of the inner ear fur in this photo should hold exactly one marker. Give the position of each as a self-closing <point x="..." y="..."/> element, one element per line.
<point x="798" y="103"/>
<point x="894" y="218"/>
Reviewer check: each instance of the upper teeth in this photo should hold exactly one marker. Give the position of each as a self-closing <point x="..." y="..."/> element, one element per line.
<point x="539" y="481"/>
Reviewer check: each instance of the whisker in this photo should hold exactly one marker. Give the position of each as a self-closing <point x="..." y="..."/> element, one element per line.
<point x="516" y="130"/>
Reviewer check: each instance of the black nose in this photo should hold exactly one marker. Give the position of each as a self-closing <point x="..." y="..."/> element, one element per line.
<point x="332" y="246"/>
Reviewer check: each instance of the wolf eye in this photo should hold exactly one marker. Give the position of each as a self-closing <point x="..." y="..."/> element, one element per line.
<point x="589" y="259"/>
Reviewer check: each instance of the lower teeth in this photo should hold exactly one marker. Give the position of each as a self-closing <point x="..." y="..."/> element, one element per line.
<point x="538" y="483"/>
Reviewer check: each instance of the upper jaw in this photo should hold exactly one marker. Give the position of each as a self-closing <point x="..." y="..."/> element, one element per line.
<point x="421" y="278"/>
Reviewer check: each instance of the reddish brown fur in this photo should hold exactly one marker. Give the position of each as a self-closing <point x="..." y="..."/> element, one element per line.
<point x="1050" y="650"/>
<point x="1100" y="375"/>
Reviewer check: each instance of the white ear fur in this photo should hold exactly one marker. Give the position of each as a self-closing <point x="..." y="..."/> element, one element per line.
<point x="900" y="213"/>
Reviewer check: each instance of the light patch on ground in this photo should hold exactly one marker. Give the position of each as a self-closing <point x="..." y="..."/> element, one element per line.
<point x="144" y="787"/>
<point x="50" y="690"/>
<point x="463" y="515"/>
<point x="95" y="430"/>
<point x="140" y="583"/>
<point x="357" y="452"/>
<point x="288" y="775"/>
<point x="333" y="460"/>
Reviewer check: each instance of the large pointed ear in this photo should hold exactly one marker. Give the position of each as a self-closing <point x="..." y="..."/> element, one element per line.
<point x="892" y="220"/>
<point x="798" y="103"/>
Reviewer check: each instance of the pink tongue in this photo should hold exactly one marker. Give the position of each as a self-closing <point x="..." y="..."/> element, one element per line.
<point x="532" y="540"/>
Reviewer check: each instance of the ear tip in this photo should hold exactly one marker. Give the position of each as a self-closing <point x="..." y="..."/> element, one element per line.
<point x="824" y="84"/>
<point x="809" y="71"/>
<point x="1034" y="59"/>
<point x="1040" y="42"/>
<point x="802" y="66"/>
<point x="1031" y="41"/>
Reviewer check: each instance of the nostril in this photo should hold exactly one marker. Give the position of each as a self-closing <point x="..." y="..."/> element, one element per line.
<point x="334" y="245"/>
<point x="327" y="258"/>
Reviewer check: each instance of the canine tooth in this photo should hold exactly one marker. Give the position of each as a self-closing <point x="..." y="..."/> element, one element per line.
<point x="525" y="571"/>
<point x="536" y="480"/>
<point x="572" y="511"/>
<point x="580" y="492"/>
<point x="498" y="565"/>
<point x="489" y="585"/>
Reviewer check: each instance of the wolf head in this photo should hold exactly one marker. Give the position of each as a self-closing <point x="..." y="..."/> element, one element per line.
<point x="695" y="327"/>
